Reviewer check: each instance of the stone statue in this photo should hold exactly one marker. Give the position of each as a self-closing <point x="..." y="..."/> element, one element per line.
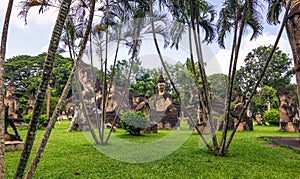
<point x="9" y="122"/>
<point x="258" y="118"/>
<point x="29" y="108"/>
<point x="246" y="121"/>
<point x="163" y="110"/>
<point x="111" y="106"/>
<point x="11" y="101"/>
<point x="289" y="120"/>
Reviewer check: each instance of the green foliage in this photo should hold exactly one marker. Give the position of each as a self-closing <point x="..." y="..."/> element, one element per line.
<point x="260" y="100"/>
<point x="134" y="121"/>
<point x="218" y="83"/>
<point x="278" y="74"/>
<point x="53" y="102"/>
<point x="27" y="117"/>
<point x="272" y="116"/>
<point x="26" y="70"/>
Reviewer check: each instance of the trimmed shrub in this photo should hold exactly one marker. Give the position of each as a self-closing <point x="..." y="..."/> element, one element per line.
<point x="134" y="121"/>
<point x="272" y="116"/>
<point x="42" y="120"/>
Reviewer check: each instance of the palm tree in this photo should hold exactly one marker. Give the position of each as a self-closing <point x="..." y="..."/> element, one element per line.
<point x="196" y="15"/>
<point x="2" y="58"/>
<point x="46" y="74"/>
<point x="292" y="30"/>
<point x="63" y="97"/>
<point x="236" y="14"/>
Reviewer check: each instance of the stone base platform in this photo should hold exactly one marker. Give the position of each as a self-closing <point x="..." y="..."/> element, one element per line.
<point x="11" y="146"/>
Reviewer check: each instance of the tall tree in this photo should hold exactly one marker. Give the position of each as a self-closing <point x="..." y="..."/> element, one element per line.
<point x="63" y="97"/>
<point x="2" y="58"/>
<point x="292" y="30"/>
<point x="277" y="75"/>
<point x="237" y="15"/>
<point x="46" y="75"/>
<point x="26" y="72"/>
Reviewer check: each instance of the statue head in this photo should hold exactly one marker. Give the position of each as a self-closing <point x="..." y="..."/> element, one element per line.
<point x="238" y="97"/>
<point x="31" y="100"/>
<point x="283" y="95"/>
<point x="161" y="84"/>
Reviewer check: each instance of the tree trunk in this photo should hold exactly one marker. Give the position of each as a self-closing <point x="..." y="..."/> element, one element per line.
<point x="293" y="32"/>
<point x="2" y="58"/>
<point x="62" y="99"/>
<point x="46" y="75"/>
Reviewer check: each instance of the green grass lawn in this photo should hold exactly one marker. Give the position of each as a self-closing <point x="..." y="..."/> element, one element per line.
<point x="71" y="155"/>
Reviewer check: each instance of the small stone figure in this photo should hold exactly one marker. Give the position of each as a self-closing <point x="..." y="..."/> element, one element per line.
<point x="258" y="118"/>
<point x="111" y="107"/>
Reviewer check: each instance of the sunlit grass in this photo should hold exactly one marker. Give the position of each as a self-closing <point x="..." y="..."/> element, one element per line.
<point x="71" y="155"/>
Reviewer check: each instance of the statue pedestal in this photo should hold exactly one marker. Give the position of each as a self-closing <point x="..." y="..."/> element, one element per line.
<point x="152" y="129"/>
<point x="288" y="127"/>
<point x="11" y="146"/>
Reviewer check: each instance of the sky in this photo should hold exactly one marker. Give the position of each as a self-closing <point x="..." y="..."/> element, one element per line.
<point x="34" y="38"/>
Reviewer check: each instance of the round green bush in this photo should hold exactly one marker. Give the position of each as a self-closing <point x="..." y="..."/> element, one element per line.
<point x="272" y="116"/>
<point x="134" y="121"/>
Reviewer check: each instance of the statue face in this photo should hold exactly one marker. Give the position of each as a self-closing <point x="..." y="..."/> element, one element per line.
<point x="161" y="87"/>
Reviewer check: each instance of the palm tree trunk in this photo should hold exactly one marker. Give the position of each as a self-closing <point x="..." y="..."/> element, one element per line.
<point x="2" y="58"/>
<point x="207" y="106"/>
<point x="261" y="76"/>
<point x="62" y="99"/>
<point x="200" y="95"/>
<point x="46" y="74"/>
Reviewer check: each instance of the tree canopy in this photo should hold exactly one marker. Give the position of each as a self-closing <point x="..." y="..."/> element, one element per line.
<point x="25" y="70"/>
<point x="279" y="72"/>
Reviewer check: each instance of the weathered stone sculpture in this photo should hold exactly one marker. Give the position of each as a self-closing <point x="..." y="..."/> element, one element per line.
<point x="29" y="108"/>
<point x="140" y="104"/>
<point x="9" y="122"/>
<point x="111" y="106"/>
<point x="163" y="110"/>
<point x="289" y="120"/>
<point x="246" y="121"/>
<point x="11" y="101"/>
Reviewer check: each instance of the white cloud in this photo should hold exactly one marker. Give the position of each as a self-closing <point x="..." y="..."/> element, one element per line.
<point x="44" y="49"/>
